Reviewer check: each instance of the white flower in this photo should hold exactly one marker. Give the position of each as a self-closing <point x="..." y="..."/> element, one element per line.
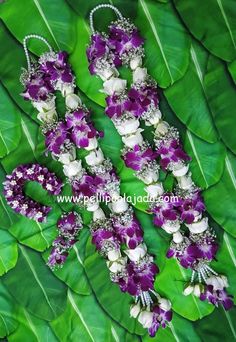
<point x="114" y="86"/>
<point x="67" y="158"/>
<point x="180" y="170"/>
<point x="135" y="62"/>
<point x="188" y="290"/>
<point x="94" y="157"/>
<point x="149" y="177"/>
<point x="139" y="75"/>
<point x="93" y="144"/>
<point x="114" y="254"/>
<point x="133" y="139"/>
<point x="177" y="237"/>
<point x="164" y="304"/>
<point x="48" y="116"/>
<point x="197" y="290"/>
<point x="72" y="169"/>
<point x="128" y="127"/>
<point x="92" y="206"/>
<point x="72" y="101"/>
<point x="154" y="190"/>
<point x="98" y="214"/>
<point x="145" y="318"/>
<point x="198" y="227"/>
<point x="154" y="118"/>
<point x="45" y="105"/>
<point x="185" y="182"/>
<point x="162" y="128"/>
<point x="118" y="265"/>
<point x="137" y="253"/>
<point x="119" y="205"/>
<point x="218" y="282"/>
<point x="135" y="310"/>
<point x="65" y="88"/>
<point x="105" y="74"/>
<point x="171" y="226"/>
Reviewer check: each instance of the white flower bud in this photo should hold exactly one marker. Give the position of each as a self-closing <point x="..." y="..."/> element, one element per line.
<point x="180" y="171"/>
<point x="43" y="106"/>
<point x="137" y="253"/>
<point x="133" y="139"/>
<point x="171" y="226"/>
<point x="93" y="144"/>
<point x="164" y="304"/>
<point x="177" y="237"/>
<point x="135" y="62"/>
<point x="72" y="169"/>
<point x="119" y="206"/>
<point x="68" y="157"/>
<point x="185" y="182"/>
<point x="114" y="86"/>
<point x="135" y="310"/>
<point x="105" y="74"/>
<point x="128" y="127"/>
<point x="154" y="118"/>
<point x="92" y="206"/>
<point x="139" y="75"/>
<point x="114" y="254"/>
<point x="162" y="128"/>
<point x="65" y="88"/>
<point x="117" y="266"/>
<point x="188" y="290"/>
<point x="72" y="101"/>
<point x="197" y="290"/>
<point x="146" y="318"/>
<point x="154" y="190"/>
<point x="198" y="227"/>
<point x="149" y="177"/>
<point x="48" y="116"/>
<point x="98" y="214"/>
<point x="94" y="157"/>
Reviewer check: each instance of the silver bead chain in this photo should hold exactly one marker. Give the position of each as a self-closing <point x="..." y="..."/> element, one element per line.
<point x="102" y="6"/>
<point x="33" y="36"/>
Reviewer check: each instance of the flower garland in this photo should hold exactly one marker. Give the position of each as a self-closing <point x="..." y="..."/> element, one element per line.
<point x="132" y="268"/>
<point x="195" y="250"/>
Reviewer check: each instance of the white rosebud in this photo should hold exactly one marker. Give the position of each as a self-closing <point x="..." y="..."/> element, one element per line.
<point x="198" y="227"/>
<point x="164" y="304"/>
<point x="72" y="169"/>
<point x="154" y="190"/>
<point x="139" y="75"/>
<point x="119" y="205"/>
<point x="188" y="290"/>
<point x="92" y="206"/>
<point x="197" y="290"/>
<point x="135" y="62"/>
<point x="149" y="177"/>
<point x="154" y="118"/>
<point x="42" y="106"/>
<point x="137" y="253"/>
<point x="117" y="266"/>
<point x="218" y="282"/>
<point x="48" y="116"/>
<point x="114" y="254"/>
<point x="72" y="101"/>
<point x="93" y="144"/>
<point x="185" y="182"/>
<point x="98" y="214"/>
<point x="146" y="318"/>
<point x="135" y="310"/>
<point x="94" y="157"/>
<point x="180" y="171"/>
<point x="68" y="157"/>
<point x="133" y="139"/>
<point x="162" y="128"/>
<point x="128" y="127"/>
<point x="177" y="237"/>
<point x="105" y="74"/>
<point x="65" y="88"/>
<point x="171" y="226"/>
<point x="114" y="86"/>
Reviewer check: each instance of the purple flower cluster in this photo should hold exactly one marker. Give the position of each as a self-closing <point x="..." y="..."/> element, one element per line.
<point x="104" y="236"/>
<point x="13" y="190"/>
<point x="56" y="138"/>
<point x="140" y="99"/>
<point x="85" y="186"/>
<point x="137" y="158"/>
<point x="160" y="319"/>
<point x="217" y="297"/>
<point x="116" y="105"/>
<point x="191" y="252"/>
<point x="42" y="83"/>
<point x="140" y="277"/>
<point x="131" y="234"/>
<point x="191" y="207"/>
<point x="68" y="226"/>
<point x="165" y="210"/>
<point x="171" y="152"/>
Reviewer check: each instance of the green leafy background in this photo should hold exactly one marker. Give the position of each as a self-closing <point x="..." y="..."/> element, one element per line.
<point x="191" y="52"/>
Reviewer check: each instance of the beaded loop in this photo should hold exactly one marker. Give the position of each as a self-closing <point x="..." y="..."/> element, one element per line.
<point x="118" y="13"/>
<point x="33" y="36"/>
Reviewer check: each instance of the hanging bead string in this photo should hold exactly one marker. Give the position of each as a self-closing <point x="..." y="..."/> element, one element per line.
<point x="34" y="36"/>
<point x="118" y="13"/>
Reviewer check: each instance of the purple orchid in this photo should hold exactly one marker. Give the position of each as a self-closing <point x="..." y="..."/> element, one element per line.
<point x="57" y="68"/>
<point x="85" y="186"/>
<point x="217" y="297"/>
<point x="141" y="99"/>
<point x="191" y="207"/>
<point x="116" y="105"/>
<point x="69" y="225"/>
<point x="56" y="138"/>
<point x="165" y="210"/>
<point x="57" y="257"/>
<point x="136" y="158"/>
<point x="38" y="88"/>
<point x="160" y="319"/>
<point x="96" y="51"/>
<point x="131" y="234"/>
